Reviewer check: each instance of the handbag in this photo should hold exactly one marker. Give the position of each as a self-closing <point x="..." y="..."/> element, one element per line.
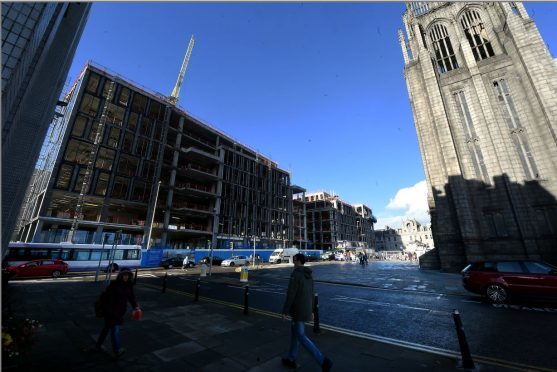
<point x="137" y="314"/>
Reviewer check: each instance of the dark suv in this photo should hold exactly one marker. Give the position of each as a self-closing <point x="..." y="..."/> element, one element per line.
<point x="500" y="279"/>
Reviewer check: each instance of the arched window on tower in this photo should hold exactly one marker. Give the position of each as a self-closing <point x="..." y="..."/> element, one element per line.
<point x="444" y="53"/>
<point x="477" y="35"/>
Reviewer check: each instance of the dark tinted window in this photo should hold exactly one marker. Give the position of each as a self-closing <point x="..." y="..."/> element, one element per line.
<point x="537" y="267"/>
<point x="509" y="267"/>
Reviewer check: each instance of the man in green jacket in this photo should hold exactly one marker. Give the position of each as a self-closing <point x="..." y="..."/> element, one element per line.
<point x="299" y="306"/>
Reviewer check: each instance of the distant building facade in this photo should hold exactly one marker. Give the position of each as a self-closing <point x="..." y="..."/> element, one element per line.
<point x="335" y="224"/>
<point x="482" y="85"/>
<point x="205" y="188"/>
<point x="413" y="232"/>
<point x="400" y="239"/>
<point x="38" y="45"/>
<point x="388" y="239"/>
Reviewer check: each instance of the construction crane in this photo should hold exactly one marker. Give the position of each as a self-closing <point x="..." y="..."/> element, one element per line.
<point x="173" y="98"/>
<point x="90" y="164"/>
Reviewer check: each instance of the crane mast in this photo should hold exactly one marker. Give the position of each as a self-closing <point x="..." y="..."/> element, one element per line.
<point x="173" y="98"/>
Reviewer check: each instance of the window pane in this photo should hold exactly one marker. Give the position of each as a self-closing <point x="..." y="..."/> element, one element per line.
<point x="102" y="184"/>
<point x="127" y="146"/>
<point x="120" y="188"/>
<point x="64" y="176"/>
<point x="139" y="103"/>
<point x="127" y="165"/>
<point x="93" y="133"/>
<point x="124" y="96"/>
<point x="106" y="88"/>
<point x="93" y="82"/>
<point x="132" y="121"/>
<point x="118" y="254"/>
<point x="89" y="105"/>
<point x="113" y="137"/>
<point x="78" y="151"/>
<point x="65" y="254"/>
<point x="79" y="182"/>
<point x="146" y="127"/>
<point x="82" y="255"/>
<point x="509" y="267"/>
<point x="95" y="254"/>
<point x="105" y="159"/>
<point x="115" y="114"/>
<point x="79" y="126"/>
<point x="537" y="267"/>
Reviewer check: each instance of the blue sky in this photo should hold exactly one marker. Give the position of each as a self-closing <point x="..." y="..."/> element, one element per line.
<point x="317" y="87"/>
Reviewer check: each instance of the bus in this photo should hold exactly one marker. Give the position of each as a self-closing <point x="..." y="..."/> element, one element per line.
<point x="79" y="257"/>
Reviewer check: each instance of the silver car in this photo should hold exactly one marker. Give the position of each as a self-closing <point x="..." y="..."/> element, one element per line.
<point x="235" y="261"/>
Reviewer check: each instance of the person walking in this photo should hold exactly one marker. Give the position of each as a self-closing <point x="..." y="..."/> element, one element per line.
<point x="299" y="306"/>
<point x="114" y="304"/>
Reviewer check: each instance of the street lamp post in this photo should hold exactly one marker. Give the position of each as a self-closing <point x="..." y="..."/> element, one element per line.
<point x="253" y="259"/>
<point x="153" y="217"/>
<point x="210" y="256"/>
<point x="100" y="258"/>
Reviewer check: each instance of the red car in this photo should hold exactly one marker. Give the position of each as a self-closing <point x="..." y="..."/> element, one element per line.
<point x="46" y="267"/>
<point x="500" y="279"/>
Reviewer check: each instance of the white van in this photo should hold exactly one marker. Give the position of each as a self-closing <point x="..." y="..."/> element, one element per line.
<point x="283" y="255"/>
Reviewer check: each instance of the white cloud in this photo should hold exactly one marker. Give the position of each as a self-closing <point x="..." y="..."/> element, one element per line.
<point x="409" y="202"/>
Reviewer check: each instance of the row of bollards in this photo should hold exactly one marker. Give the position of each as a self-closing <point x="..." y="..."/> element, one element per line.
<point x="467" y="361"/>
<point x="316" y="328"/>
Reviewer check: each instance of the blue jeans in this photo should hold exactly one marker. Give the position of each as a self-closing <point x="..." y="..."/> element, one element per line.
<point x="114" y="336"/>
<point x="298" y="337"/>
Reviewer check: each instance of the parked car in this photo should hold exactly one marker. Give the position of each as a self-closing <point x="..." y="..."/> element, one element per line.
<point x="217" y="261"/>
<point x="46" y="267"/>
<point x="498" y="280"/>
<point x="328" y="256"/>
<point x="176" y="262"/>
<point x="235" y="261"/>
<point x="312" y="258"/>
<point x="339" y="256"/>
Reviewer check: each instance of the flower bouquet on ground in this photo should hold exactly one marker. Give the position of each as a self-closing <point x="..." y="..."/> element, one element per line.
<point x="17" y="337"/>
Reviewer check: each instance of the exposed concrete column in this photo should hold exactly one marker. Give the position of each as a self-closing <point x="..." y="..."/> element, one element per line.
<point x="172" y="182"/>
<point x="216" y="209"/>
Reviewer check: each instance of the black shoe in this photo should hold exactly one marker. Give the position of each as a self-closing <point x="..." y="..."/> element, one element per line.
<point x="289" y="363"/>
<point x="327" y="364"/>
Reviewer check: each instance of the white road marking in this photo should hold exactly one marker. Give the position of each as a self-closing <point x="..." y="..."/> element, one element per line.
<point x="386" y="304"/>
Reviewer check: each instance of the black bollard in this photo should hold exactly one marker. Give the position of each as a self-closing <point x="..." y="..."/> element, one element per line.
<point x="164" y="279"/>
<point x="196" y="298"/>
<point x="246" y="293"/>
<point x="316" y="328"/>
<point x="135" y="277"/>
<point x="467" y="361"/>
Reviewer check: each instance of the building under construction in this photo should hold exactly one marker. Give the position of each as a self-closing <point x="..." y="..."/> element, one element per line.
<point x="335" y="224"/>
<point x="118" y="152"/>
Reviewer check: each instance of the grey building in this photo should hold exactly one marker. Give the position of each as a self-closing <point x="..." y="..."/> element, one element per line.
<point x="38" y="45"/>
<point x="159" y="175"/>
<point x="483" y="90"/>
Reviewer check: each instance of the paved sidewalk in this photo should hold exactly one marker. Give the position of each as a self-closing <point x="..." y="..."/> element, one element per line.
<point x="177" y="333"/>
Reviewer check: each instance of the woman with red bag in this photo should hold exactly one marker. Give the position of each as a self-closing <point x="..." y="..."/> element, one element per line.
<point x="114" y="304"/>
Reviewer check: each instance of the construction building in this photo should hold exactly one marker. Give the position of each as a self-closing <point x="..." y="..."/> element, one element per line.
<point x="300" y="237"/>
<point x="39" y="40"/>
<point x="482" y="85"/>
<point x="335" y="224"/>
<point x="143" y="154"/>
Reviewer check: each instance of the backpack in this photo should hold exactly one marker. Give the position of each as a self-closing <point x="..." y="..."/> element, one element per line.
<point x="99" y="305"/>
